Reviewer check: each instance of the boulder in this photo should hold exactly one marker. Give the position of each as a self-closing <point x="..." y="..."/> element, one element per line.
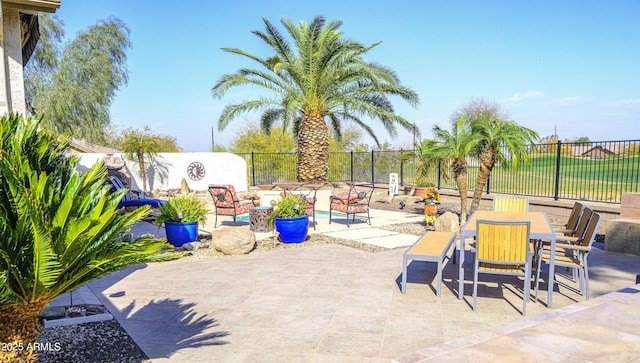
<point x="448" y="222"/>
<point x="191" y="246"/>
<point x="234" y="241"/>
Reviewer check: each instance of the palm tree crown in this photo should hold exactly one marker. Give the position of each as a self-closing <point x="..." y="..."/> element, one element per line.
<point x="501" y="142"/>
<point x="140" y="145"/>
<point x="319" y="77"/>
<point x="451" y="149"/>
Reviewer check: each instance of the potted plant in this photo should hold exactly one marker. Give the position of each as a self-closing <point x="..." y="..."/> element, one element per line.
<point x="423" y="187"/>
<point x="180" y="216"/>
<point x="290" y="220"/>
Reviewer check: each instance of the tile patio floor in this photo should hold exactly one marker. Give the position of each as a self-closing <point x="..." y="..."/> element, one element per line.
<point x="325" y="303"/>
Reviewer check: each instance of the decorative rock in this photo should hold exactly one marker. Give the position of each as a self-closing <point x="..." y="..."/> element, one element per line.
<point x="448" y="222"/>
<point x="76" y="311"/>
<point x="184" y="187"/>
<point x="234" y="241"/>
<point x="191" y="246"/>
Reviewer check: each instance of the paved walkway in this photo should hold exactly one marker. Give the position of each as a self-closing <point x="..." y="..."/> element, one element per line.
<point x="332" y="303"/>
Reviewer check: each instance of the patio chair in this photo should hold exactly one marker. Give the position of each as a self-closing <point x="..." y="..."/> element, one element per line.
<point x="572" y="223"/>
<point x="355" y="200"/>
<point x="571" y="237"/>
<point x="308" y="197"/>
<point x="573" y="255"/>
<point x="132" y="199"/>
<point x="510" y="204"/>
<point x="502" y="247"/>
<point x="227" y="202"/>
<point x="581" y="228"/>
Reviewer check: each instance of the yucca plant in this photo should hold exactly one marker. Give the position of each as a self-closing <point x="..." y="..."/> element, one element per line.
<point x="59" y="229"/>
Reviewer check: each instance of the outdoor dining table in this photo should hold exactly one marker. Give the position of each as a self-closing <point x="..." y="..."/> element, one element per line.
<point x="541" y="229"/>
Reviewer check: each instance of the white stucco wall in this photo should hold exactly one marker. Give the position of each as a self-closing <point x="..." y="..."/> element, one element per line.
<point x="168" y="169"/>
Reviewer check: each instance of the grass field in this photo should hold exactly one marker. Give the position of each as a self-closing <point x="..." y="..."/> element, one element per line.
<point x="578" y="178"/>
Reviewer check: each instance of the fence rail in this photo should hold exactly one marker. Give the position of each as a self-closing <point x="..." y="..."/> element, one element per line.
<point x="594" y="171"/>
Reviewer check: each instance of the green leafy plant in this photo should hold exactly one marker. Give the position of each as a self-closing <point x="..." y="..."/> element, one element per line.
<point x="290" y="206"/>
<point x="426" y="162"/>
<point x="182" y="208"/>
<point x="59" y="229"/>
<point x="423" y="183"/>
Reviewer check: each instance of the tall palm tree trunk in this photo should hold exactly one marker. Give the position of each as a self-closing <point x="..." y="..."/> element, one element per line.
<point x="487" y="161"/>
<point x="18" y="329"/>
<point x="142" y="171"/>
<point x="313" y="149"/>
<point x="459" y="171"/>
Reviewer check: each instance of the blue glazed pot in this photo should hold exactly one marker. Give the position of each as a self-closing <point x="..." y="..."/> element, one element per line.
<point x="179" y="233"/>
<point x="292" y="230"/>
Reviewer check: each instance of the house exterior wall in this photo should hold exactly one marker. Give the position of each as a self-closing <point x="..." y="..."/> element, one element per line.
<point x="12" y="94"/>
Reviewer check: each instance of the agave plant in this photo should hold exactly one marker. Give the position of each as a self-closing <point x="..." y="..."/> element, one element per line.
<point x="59" y="229"/>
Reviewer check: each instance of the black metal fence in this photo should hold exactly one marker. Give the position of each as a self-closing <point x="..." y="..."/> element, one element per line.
<point x="594" y="171"/>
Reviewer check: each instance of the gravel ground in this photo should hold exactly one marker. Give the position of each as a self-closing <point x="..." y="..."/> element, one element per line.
<point x="99" y="342"/>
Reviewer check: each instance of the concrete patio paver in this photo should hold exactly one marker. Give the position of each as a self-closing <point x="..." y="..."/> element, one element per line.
<point x="314" y="304"/>
<point x="331" y="303"/>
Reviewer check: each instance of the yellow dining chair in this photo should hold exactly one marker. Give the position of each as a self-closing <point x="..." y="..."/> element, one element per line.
<point x="572" y="222"/>
<point x="503" y="248"/>
<point x="510" y="204"/>
<point x="573" y="255"/>
<point x="581" y="227"/>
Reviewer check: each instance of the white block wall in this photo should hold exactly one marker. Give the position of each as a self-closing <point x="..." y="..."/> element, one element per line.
<point x="167" y="170"/>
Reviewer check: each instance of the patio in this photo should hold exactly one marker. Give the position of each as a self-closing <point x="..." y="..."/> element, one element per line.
<point x="335" y="303"/>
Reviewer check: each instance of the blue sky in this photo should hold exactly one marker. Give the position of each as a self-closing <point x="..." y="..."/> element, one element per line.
<point x="570" y="65"/>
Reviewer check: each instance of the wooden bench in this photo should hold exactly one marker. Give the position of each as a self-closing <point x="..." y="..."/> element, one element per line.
<point x="430" y="247"/>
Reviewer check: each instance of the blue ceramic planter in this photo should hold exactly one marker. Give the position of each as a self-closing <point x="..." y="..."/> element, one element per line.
<point x="292" y="230"/>
<point x="180" y="233"/>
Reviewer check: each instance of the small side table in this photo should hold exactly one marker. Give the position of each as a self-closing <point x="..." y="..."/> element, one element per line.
<point x="258" y="219"/>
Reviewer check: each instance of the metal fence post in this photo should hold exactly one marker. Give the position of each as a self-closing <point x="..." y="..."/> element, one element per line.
<point x="373" y="179"/>
<point x="556" y="190"/>
<point x="401" y="170"/>
<point x="253" y="169"/>
<point x="352" y="167"/>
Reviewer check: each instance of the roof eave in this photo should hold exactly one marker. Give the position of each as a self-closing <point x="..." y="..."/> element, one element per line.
<point x="47" y="6"/>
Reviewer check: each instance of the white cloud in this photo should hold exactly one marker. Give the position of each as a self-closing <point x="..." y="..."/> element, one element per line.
<point x="524" y="96"/>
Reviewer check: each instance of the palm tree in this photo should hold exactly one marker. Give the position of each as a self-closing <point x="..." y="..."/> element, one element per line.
<point x="423" y="155"/>
<point x="317" y="79"/>
<point x="451" y="148"/>
<point x="59" y="229"/>
<point x="138" y="145"/>
<point x="503" y="142"/>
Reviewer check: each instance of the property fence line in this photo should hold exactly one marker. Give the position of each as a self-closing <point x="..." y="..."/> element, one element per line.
<point x="592" y="171"/>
